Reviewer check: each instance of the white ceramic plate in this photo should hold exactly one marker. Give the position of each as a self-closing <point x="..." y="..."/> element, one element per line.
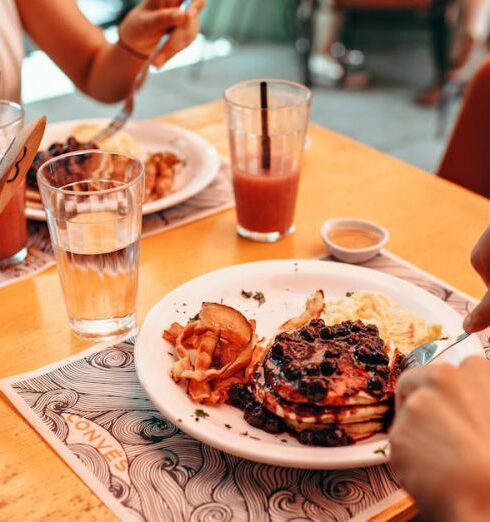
<point x="202" y="161"/>
<point x="285" y="284"/>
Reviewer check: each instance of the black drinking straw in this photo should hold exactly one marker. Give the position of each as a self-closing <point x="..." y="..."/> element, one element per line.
<point x="266" y="140"/>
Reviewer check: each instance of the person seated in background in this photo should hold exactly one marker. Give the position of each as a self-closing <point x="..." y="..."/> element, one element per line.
<point x="332" y="63"/>
<point x="469" y="20"/>
<point x="101" y="70"/>
<point x="440" y="436"/>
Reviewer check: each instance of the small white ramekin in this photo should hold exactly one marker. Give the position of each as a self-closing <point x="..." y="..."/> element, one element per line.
<point x="353" y="255"/>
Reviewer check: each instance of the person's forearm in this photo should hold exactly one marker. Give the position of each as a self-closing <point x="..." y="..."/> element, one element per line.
<point x="102" y="70"/>
<point x="110" y="74"/>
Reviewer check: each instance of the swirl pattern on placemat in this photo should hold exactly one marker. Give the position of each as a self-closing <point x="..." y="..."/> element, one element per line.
<point x="97" y="408"/>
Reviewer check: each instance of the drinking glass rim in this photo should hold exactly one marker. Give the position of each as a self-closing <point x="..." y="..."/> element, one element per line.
<point x="40" y="173"/>
<point x="301" y="87"/>
<point x="14" y="105"/>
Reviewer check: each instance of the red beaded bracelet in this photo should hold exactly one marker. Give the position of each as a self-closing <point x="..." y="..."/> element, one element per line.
<point x="130" y="50"/>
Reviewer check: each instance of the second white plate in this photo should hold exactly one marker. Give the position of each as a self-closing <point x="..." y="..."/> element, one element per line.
<point x="202" y="160"/>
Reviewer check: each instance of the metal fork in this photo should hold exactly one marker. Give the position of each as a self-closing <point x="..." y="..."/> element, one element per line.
<point x="127" y="109"/>
<point x="427" y="352"/>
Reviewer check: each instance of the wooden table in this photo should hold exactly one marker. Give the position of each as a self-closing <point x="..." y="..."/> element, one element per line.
<point x="433" y="224"/>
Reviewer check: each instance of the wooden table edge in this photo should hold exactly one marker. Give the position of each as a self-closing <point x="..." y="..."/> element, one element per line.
<point x="401" y="511"/>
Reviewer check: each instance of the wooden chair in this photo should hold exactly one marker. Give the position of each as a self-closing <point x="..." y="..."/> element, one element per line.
<point x="467" y="157"/>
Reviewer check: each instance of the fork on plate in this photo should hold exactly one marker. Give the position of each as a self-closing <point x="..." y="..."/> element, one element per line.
<point x="427" y="352"/>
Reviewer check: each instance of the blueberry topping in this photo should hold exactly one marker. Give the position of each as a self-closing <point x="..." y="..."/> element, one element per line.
<point x="291" y="373"/>
<point x="311" y="369"/>
<point x="313" y="389"/>
<point x="239" y="395"/>
<point x="328" y="367"/>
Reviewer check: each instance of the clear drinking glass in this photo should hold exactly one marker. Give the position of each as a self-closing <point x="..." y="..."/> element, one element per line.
<point x="93" y="204"/>
<point x="13" y="223"/>
<point x="265" y="191"/>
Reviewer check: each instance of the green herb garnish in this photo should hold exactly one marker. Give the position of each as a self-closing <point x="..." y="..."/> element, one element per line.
<point x="228" y="426"/>
<point x="194" y="318"/>
<point x="246" y="294"/>
<point x="201" y="414"/>
<point x="349" y="294"/>
<point x="284" y="440"/>
<point x="383" y="450"/>
<point x="244" y="434"/>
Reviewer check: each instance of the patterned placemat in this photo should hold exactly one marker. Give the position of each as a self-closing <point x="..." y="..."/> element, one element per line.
<point x="92" y="410"/>
<point x="216" y="197"/>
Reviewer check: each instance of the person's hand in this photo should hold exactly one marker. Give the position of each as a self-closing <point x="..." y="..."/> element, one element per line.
<point x="147" y="22"/>
<point x="479" y="318"/>
<point x="440" y="439"/>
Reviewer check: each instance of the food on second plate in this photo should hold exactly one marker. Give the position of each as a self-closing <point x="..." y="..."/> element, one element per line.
<point x="55" y="149"/>
<point x="119" y="142"/>
<point x="160" y="167"/>
<point x="328" y="378"/>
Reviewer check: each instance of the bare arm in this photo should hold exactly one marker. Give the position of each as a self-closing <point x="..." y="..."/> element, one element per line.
<point x="105" y="71"/>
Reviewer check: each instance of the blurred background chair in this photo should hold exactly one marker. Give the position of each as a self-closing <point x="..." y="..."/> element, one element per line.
<point x="467" y="157"/>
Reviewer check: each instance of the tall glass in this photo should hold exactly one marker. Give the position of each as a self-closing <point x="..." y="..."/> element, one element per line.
<point x="93" y="204"/>
<point x="266" y="181"/>
<point x="13" y="224"/>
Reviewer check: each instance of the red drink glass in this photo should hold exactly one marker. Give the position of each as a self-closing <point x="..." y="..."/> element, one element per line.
<point x="266" y="189"/>
<point x="13" y="223"/>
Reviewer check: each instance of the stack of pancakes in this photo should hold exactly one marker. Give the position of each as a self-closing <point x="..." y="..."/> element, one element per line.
<point x="331" y="385"/>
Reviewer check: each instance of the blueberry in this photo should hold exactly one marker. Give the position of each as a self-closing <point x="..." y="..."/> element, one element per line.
<point x="307" y="334"/>
<point x="375" y="385"/>
<point x="273" y="424"/>
<point x="331" y="353"/>
<point x="307" y="437"/>
<point x="255" y="415"/>
<point x="328" y="367"/>
<point x="317" y="323"/>
<point x="314" y="389"/>
<point x="371" y="329"/>
<point x="326" y="333"/>
<point x="259" y="417"/>
<point x="277" y="351"/>
<point x="291" y="373"/>
<point x="368" y="356"/>
<point x="311" y="369"/>
<point x="334" y="435"/>
<point x="239" y="395"/>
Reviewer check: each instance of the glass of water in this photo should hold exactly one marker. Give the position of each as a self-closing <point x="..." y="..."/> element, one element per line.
<point x="93" y="204"/>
